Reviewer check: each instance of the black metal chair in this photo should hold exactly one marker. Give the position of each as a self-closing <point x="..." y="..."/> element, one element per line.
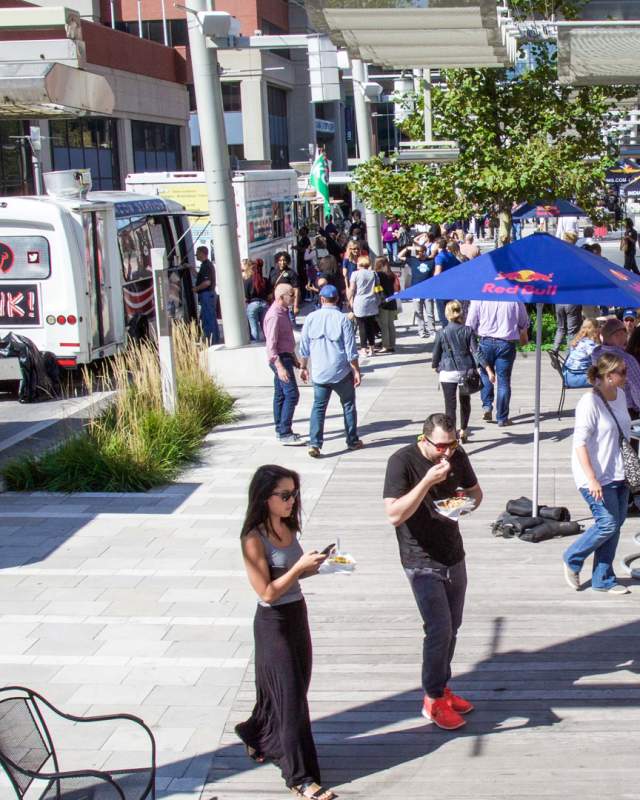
<point x="31" y="760"/>
<point x="557" y="362"/>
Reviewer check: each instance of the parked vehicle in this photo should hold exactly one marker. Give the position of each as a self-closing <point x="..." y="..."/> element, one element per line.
<point x="75" y="267"/>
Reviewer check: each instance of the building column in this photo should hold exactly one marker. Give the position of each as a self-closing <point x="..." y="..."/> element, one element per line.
<point x="255" y="119"/>
<point x="125" y="149"/>
<point x="365" y="139"/>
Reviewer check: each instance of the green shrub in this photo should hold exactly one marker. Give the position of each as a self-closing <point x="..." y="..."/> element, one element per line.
<point x="135" y="444"/>
<point x="548" y="331"/>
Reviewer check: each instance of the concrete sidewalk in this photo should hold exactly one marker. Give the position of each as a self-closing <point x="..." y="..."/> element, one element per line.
<point x="140" y="603"/>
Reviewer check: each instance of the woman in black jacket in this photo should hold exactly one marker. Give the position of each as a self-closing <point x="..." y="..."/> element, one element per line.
<point x="455" y="351"/>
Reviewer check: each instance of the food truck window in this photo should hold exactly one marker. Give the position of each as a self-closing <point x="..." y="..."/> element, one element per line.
<point x="136" y="240"/>
<point x="24" y="258"/>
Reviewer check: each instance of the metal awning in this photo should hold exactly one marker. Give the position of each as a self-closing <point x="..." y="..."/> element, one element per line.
<point x="420" y="33"/>
<point x="599" y="53"/>
<point x="36" y="90"/>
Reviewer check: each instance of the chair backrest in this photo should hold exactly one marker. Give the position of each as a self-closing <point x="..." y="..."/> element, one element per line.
<point x="21" y="741"/>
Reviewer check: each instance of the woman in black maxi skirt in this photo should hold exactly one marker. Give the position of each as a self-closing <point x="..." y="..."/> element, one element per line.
<point x="279" y="728"/>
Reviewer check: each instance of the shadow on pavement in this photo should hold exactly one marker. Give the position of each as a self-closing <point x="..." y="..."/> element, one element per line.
<point x="351" y="745"/>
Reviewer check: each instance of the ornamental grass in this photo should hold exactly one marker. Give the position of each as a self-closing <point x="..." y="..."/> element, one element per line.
<point x="134" y="444"/>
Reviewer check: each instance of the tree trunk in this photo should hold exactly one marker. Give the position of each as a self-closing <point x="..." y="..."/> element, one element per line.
<point x="504" y="231"/>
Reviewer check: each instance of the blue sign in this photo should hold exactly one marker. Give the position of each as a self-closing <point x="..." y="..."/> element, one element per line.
<point x="138" y="208"/>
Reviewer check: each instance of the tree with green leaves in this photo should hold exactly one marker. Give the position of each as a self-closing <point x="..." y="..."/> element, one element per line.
<point x="521" y="137"/>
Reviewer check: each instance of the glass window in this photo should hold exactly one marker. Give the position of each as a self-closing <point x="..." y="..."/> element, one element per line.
<point x="15" y="168"/>
<point x="231" y="96"/>
<point x="156" y="147"/>
<point x="278" y="132"/>
<point x="24" y="258"/>
<point x="87" y="144"/>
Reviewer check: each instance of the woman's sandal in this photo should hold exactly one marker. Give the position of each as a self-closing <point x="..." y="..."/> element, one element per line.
<point x="312" y="791"/>
<point x="253" y="754"/>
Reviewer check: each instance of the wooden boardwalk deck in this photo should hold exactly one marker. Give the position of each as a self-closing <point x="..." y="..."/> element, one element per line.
<point x="553" y="673"/>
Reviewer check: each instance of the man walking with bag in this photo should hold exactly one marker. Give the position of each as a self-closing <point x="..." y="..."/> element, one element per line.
<point x="328" y="339"/>
<point x="432" y="552"/>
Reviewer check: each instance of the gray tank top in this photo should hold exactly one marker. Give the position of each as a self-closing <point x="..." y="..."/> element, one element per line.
<point x="280" y="560"/>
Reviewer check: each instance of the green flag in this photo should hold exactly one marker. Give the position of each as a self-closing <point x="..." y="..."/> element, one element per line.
<point x="319" y="180"/>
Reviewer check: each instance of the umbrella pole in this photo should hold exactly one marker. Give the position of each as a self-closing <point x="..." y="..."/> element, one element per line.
<point x="536" y="419"/>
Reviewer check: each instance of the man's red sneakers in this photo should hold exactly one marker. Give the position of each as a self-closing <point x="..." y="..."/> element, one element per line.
<point x="441" y="712"/>
<point x="457" y="703"/>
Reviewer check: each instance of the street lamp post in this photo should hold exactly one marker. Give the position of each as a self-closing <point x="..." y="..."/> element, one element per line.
<point x="217" y="175"/>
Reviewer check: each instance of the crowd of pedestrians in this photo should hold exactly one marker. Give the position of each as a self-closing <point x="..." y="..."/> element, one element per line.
<point x="353" y="297"/>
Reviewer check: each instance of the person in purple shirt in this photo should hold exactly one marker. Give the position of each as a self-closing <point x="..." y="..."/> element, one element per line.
<point x="389" y="232"/>
<point x="499" y="326"/>
<point x="281" y="352"/>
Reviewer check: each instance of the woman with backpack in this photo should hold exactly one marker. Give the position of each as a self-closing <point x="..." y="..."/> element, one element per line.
<point x="455" y="352"/>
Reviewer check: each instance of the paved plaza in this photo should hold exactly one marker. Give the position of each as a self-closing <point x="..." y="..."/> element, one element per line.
<point x="140" y="603"/>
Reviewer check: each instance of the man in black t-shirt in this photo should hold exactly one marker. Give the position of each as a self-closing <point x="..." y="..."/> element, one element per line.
<point x="205" y="288"/>
<point x="432" y="553"/>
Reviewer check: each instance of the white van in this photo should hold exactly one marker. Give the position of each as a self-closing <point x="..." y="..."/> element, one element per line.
<point x="75" y="268"/>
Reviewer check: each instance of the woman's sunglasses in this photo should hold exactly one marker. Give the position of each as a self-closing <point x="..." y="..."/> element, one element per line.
<point x="285" y="496"/>
<point x="442" y="447"/>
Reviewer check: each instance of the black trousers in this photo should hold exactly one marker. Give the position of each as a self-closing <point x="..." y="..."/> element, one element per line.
<point x="367" y="331"/>
<point x="450" y="390"/>
<point x="279" y="727"/>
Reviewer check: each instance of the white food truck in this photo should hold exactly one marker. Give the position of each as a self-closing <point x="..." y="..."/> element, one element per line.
<point x="264" y="202"/>
<point x="75" y="268"/>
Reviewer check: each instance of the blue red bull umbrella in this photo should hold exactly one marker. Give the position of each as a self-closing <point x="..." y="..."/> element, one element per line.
<point x="559" y="208"/>
<point x="537" y="269"/>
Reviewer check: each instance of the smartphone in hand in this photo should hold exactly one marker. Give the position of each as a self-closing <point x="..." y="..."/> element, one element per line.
<point x="328" y="549"/>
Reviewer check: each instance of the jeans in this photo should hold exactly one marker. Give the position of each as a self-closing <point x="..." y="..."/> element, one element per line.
<point x="386" y="320"/>
<point x="439" y="592"/>
<point x="499" y="354"/>
<point x="392" y="250"/>
<point x="449" y="390"/>
<point x="575" y="380"/>
<point x="346" y="391"/>
<point x="285" y="397"/>
<point x="602" y="537"/>
<point x="568" y="322"/>
<point x="424" y="310"/>
<point x="256" y="310"/>
<point x="516" y="230"/>
<point x="208" y="318"/>
<point x="441" y="305"/>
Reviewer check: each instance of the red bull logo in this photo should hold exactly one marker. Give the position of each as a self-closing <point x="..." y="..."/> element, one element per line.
<point x="525" y="280"/>
<point x="618" y="274"/>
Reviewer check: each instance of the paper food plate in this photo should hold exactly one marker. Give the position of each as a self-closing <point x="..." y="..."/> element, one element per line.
<point x="465" y="506"/>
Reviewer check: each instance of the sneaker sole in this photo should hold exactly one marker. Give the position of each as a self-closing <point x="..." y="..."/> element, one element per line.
<point x="443" y="727"/>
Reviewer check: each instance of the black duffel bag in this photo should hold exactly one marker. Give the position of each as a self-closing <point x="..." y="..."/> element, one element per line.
<point x="523" y="507"/>
<point x="508" y="525"/>
<point x="550" y="529"/>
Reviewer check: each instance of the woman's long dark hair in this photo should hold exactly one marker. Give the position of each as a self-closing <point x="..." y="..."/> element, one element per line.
<point x="262" y="486"/>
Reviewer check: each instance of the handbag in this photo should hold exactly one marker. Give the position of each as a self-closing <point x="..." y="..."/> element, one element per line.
<point x="469" y="381"/>
<point x="630" y="461"/>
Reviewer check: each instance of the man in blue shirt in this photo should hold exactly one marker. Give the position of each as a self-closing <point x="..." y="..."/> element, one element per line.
<point x="328" y="338"/>
<point x="444" y="260"/>
<point x="421" y="266"/>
